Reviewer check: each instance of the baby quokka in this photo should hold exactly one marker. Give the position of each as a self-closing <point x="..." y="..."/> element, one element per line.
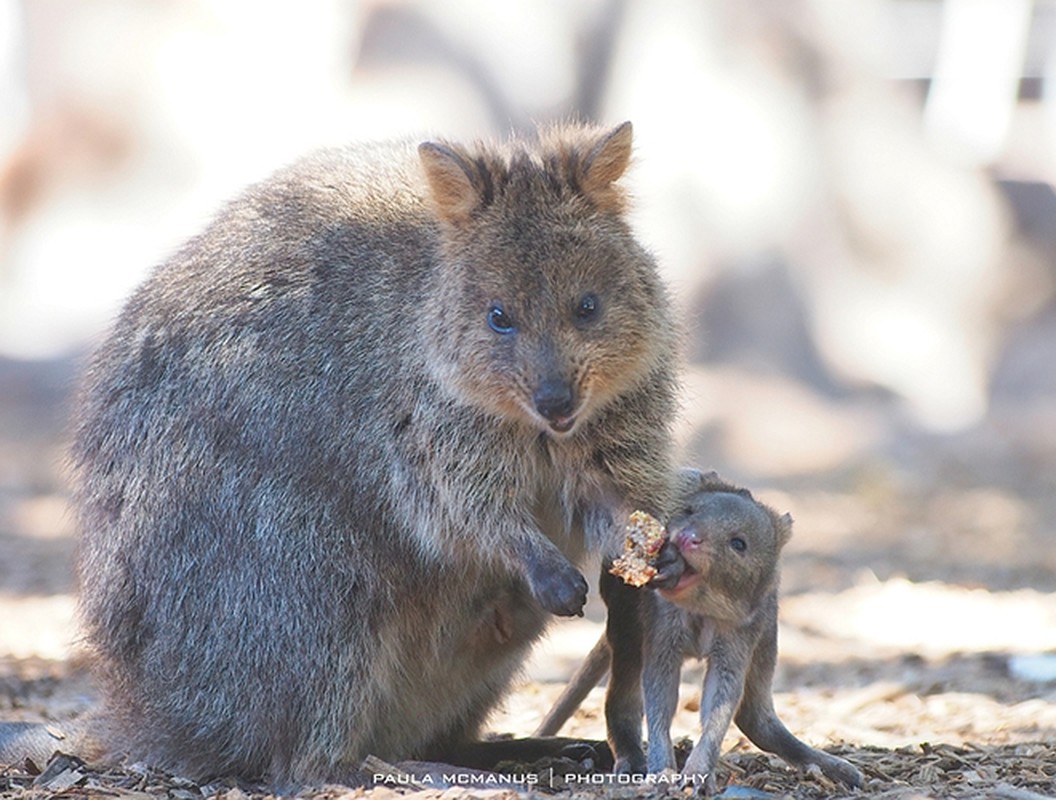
<point x="716" y="598"/>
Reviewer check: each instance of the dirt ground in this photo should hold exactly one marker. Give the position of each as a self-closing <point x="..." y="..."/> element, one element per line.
<point x="918" y="622"/>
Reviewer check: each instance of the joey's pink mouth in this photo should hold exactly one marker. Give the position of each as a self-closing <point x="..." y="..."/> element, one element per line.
<point x="690" y="577"/>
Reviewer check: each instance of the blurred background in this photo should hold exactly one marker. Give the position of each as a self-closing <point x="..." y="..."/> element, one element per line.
<point x="853" y="203"/>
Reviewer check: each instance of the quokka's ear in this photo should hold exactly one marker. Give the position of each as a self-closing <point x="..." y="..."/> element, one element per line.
<point x="711" y="481"/>
<point x="455" y="183"/>
<point x="603" y="164"/>
<point x="710" y="478"/>
<point x="784" y="529"/>
<point x="688" y="481"/>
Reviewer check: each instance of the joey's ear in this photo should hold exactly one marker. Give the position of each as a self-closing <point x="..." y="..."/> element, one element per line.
<point x="688" y="481"/>
<point x="711" y="481"/>
<point x="603" y="164"/>
<point x="709" y="478"/>
<point x="454" y="182"/>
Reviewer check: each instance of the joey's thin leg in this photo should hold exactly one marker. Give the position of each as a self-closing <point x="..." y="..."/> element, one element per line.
<point x="759" y="722"/>
<point x="660" y="681"/>
<point x="723" y="684"/>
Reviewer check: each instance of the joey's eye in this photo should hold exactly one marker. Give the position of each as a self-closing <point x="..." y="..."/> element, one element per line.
<point x="499" y="321"/>
<point x="688" y="511"/>
<point x="738" y="544"/>
<point x="587" y="309"/>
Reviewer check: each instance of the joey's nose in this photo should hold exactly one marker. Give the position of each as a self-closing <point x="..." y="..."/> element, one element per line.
<point x="553" y="400"/>
<point x="687" y="538"/>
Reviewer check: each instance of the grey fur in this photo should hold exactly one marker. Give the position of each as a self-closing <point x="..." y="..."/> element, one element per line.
<point x="730" y="617"/>
<point x="321" y="517"/>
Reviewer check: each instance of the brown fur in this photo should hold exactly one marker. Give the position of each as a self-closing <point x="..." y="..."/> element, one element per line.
<point x="326" y="509"/>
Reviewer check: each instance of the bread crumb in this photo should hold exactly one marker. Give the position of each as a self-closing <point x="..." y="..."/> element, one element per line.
<point x="645" y="537"/>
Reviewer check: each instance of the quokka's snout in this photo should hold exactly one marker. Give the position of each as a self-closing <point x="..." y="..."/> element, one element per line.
<point x="556" y="402"/>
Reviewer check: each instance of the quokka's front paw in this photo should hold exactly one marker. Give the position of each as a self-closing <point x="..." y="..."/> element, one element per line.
<point x="559" y="588"/>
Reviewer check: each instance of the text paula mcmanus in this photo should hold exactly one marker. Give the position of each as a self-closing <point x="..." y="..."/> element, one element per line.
<point x="546" y="778"/>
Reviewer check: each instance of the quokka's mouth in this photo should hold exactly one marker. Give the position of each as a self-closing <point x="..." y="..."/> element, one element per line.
<point x="557" y="425"/>
<point x="688" y="578"/>
<point x="562" y="424"/>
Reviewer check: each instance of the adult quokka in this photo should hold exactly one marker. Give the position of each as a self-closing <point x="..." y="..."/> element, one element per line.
<point x="340" y="456"/>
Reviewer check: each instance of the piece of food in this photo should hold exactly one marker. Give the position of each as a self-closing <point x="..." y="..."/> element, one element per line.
<point x="645" y="537"/>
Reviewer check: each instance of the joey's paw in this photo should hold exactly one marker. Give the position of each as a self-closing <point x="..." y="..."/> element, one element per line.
<point x="841" y="771"/>
<point x="699" y="772"/>
<point x="700" y="785"/>
<point x="669" y="567"/>
<point x="559" y="588"/>
<point x="692" y="785"/>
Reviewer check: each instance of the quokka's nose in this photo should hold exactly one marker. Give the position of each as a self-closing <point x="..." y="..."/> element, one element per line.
<point x="553" y="400"/>
<point x="687" y="538"/>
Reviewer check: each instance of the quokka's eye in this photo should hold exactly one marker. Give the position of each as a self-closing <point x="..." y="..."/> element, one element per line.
<point x="499" y="321"/>
<point x="587" y="309"/>
<point x="738" y="544"/>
